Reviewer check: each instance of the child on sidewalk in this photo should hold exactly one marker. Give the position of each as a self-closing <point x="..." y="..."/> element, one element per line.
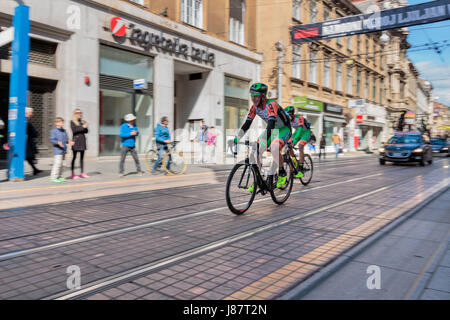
<point x="59" y="139"/>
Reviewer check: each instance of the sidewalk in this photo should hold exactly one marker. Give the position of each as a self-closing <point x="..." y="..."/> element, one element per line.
<point x="413" y="259"/>
<point x="108" y="169"/>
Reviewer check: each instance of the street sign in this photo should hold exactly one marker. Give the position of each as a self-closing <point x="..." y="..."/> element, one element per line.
<point x="139" y="84"/>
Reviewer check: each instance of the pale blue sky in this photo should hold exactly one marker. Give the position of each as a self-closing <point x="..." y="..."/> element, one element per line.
<point x="431" y="65"/>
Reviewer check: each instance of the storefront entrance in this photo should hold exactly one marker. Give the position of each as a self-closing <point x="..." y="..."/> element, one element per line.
<point x="118" y="69"/>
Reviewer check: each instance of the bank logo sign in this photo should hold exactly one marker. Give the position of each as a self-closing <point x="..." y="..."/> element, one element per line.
<point x="147" y="40"/>
<point x="118" y="27"/>
<point x="373" y="22"/>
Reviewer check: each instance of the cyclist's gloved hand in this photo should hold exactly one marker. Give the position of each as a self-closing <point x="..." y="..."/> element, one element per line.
<point x="236" y="140"/>
<point x="290" y="140"/>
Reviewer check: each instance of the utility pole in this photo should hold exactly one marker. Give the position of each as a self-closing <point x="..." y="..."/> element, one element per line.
<point x="279" y="47"/>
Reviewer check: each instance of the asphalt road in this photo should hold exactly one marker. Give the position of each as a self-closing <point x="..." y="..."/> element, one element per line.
<point x="183" y="242"/>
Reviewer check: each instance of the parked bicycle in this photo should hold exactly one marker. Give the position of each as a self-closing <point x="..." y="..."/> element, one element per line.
<point x="246" y="180"/>
<point x="173" y="161"/>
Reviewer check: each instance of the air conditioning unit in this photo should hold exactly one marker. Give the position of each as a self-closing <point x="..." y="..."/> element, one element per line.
<point x="272" y="94"/>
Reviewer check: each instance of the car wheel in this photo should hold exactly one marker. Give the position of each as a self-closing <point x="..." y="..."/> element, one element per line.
<point x="382" y="162"/>
<point x="422" y="162"/>
<point x="430" y="161"/>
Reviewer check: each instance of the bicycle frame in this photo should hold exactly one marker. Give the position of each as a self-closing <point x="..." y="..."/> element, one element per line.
<point x="263" y="187"/>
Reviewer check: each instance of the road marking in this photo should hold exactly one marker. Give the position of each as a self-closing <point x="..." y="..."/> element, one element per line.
<point x="291" y="272"/>
<point x="195" y="251"/>
<point x="14" y="254"/>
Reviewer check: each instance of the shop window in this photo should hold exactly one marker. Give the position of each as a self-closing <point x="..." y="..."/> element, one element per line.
<point x="297" y="9"/>
<point x="366" y="87"/>
<point x="237" y="18"/>
<point x="296" y="61"/>
<point x="192" y="12"/>
<point x="41" y="52"/>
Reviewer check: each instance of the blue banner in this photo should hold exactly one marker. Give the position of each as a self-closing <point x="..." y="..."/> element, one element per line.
<point x="373" y="22"/>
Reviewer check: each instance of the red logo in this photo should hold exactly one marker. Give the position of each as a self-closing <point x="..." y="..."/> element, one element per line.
<point x="306" y="33"/>
<point x="359" y="119"/>
<point x="118" y="27"/>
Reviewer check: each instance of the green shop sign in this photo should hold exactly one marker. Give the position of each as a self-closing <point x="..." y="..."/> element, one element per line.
<point x="308" y="104"/>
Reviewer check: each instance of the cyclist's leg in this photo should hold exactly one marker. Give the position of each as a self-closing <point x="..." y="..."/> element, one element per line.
<point x="301" y="144"/>
<point x="279" y="139"/>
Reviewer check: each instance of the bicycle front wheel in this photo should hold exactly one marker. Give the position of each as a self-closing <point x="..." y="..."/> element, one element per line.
<point x="174" y="163"/>
<point x="150" y="158"/>
<point x="280" y="195"/>
<point x="239" y="192"/>
<point x="308" y="169"/>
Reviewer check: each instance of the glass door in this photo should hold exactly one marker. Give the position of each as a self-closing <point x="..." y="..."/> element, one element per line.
<point x="114" y="105"/>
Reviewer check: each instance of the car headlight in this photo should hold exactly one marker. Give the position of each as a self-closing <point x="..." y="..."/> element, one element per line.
<point x="445" y="149"/>
<point x="381" y="149"/>
<point x="418" y="150"/>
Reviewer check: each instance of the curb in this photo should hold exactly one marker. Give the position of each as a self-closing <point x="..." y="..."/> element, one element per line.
<point x="303" y="288"/>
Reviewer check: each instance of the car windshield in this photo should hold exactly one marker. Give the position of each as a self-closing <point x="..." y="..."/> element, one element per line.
<point x="404" y="139"/>
<point x="437" y="141"/>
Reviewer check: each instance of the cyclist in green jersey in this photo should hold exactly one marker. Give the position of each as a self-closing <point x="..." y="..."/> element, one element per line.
<point x="276" y="118"/>
<point x="300" y="136"/>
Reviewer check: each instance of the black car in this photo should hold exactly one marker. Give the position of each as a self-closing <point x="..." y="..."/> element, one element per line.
<point x="407" y="147"/>
<point x="439" y="146"/>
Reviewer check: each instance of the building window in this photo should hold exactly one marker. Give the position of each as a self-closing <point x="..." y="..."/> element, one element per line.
<point x="339" y="39"/>
<point x="366" y="87"/>
<point x="349" y="80"/>
<point x="192" y="12"/>
<point x="326" y="73"/>
<point x="367" y="48"/>
<point x="312" y="11"/>
<point x="358" y="84"/>
<point x="338" y="76"/>
<point x="297" y="10"/>
<point x="296" y="61"/>
<point x="237" y="16"/>
<point x="141" y="2"/>
<point x="326" y="13"/>
<point x="381" y="90"/>
<point x="313" y="67"/>
<point x="358" y="44"/>
<point x="374" y="89"/>
<point x="349" y="43"/>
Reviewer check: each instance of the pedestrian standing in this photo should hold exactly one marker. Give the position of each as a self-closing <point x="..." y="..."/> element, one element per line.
<point x="59" y="140"/>
<point x="211" y="142"/>
<point x="322" y="145"/>
<point x="31" y="147"/>
<point x="337" y="142"/>
<point x="162" y="136"/>
<point x="79" y="129"/>
<point x="128" y="134"/>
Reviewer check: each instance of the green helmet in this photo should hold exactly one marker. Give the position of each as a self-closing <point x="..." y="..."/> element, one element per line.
<point x="258" y="88"/>
<point x="290" y="109"/>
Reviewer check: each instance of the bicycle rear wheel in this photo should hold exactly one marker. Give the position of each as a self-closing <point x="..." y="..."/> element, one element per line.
<point x="150" y="158"/>
<point x="178" y="164"/>
<point x="241" y="178"/>
<point x="280" y="195"/>
<point x="308" y="169"/>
